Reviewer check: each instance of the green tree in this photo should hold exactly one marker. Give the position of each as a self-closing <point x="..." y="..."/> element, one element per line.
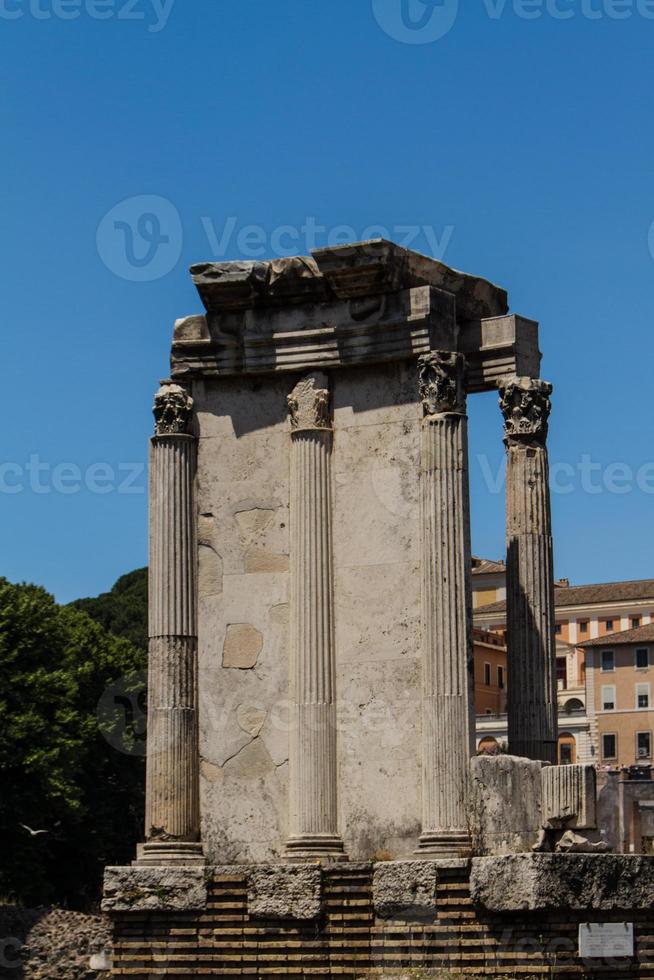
<point x="60" y="772"/>
<point x="124" y="610"/>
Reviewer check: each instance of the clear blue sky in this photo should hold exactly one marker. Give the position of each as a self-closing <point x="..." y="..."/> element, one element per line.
<point x="524" y="145"/>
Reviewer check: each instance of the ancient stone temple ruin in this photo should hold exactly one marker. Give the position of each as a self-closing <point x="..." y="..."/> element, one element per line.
<point x="312" y="807"/>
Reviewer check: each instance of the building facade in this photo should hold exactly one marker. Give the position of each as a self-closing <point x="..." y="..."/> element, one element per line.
<point x="488" y="582"/>
<point x="619" y="675"/>
<point x="490" y="673"/>
<point x="583" y="613"/>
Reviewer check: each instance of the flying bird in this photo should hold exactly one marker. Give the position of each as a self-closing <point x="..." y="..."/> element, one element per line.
<point x="32" y="833"/>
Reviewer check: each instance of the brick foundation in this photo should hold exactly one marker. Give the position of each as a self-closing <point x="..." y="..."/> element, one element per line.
<point x="347" y="940"/>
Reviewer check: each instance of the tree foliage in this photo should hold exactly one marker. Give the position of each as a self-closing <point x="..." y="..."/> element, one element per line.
<point x="59" y="771"/>
<point x="124" y="610"/>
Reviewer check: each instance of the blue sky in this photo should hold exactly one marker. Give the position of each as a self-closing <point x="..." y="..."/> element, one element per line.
<point x="521" y="138"/>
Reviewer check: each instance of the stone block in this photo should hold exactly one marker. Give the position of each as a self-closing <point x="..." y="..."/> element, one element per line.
<point x="505" y="803"/>
<point x="569" y="797"/>
<point x="404" y="889"/>
<point x="159" y="889"/>
<point x="563" y="882"/>
<point x="285" y="892"/>
<point x="101" y="961"/>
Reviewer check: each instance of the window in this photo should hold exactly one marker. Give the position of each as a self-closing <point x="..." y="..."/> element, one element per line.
<point x="642" y="695"/>
<point x="608" y="697"/>
<point x="642" y="659"/>
<point x="561" y="673"/>
<point x="557" y="629"/>
<point x="644" y="745"/>
<point x="609" y="746"/>
<point x="583" y="627"/>
<point x="635" y="622"/>
<point x="487" y="675"/>
<point x="565" y="754"/>
<point x="608" y="661"/>
<point x="500" y="678"/>
<point x="608" y="625"/>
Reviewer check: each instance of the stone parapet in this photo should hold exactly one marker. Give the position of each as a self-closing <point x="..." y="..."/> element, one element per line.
<point x="578" y="882"/>
<point x="161" y="889"/>
<point x="349" y="939"/>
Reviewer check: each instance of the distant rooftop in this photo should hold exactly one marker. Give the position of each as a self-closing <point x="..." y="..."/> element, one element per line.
<point x="486" y="565"/>
<point x="586" y="595"/>
<point x="641" y="634"/>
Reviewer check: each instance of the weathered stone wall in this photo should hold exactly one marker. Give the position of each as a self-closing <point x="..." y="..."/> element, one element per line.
<point x="243" y="595"/>
<point x="52" y="944"/>
<point x="376" y="463"/>
<point x="349" y="940"/>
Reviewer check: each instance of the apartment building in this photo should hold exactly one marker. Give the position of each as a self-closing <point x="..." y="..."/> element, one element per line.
<point x="583" y="612"/>
<point x="619" y="676"/>
<point x="490" y="673"/>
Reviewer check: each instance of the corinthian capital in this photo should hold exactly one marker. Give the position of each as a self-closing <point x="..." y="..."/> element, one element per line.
<point x="172" y="409"/>
<point x="441" y="380"/>
<point x="308" y="403"/>
<point x="525" y="405"/>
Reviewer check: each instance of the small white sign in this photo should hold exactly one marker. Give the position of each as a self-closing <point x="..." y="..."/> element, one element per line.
<point x="606" y="940"/>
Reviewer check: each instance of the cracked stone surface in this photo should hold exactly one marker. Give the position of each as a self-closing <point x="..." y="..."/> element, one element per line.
<point x="130" y="889"/>
<point x="404" y="889"/>
<point x="575" y="882"/>
<point x="291" y="892"/>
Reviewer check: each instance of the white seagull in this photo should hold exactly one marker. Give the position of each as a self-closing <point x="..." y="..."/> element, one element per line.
<point x="32" y="833"/>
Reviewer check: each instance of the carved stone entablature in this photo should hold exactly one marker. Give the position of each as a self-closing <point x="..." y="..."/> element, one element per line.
<point x="308" y="404"/>
<point x="526" y="406"/>
<point x="345" y="272"/>
<point x="441" y="380"/>
<point x="360" y="304"/>
<point x="172" y="409"/>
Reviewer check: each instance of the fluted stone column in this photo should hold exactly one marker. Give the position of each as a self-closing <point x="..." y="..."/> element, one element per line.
<point x="532" y="705"/>
<point x="312" y="762"/>
<point x="172" y="826"/>
<point x="447" y="698"/>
